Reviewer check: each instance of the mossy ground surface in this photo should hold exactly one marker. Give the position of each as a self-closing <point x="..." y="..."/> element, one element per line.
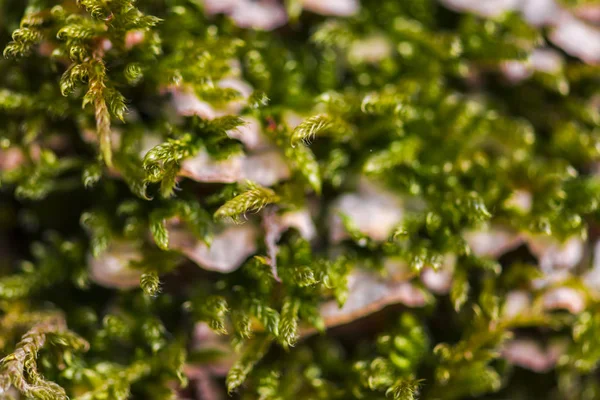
<point x="398" y="202"/>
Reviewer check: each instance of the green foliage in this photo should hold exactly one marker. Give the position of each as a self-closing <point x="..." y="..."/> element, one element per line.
<point x="393" y="371"/>
<point x="404" y="390"/>
<point x="303" y="159"/>
<point x="39" y="177"/>
<point x="584" y="354"/>
<point x="317" y="125"/>
<point x="254" y="199"/>
<point x="150" y="283"/>
<point x="240" y="370"/>
<point x="98" y="226"/>
<point x="288" y="324"/>
<point x="55" y="262"/>
<point x="213" y="310"/>
<point x="194" y="216"/>
<point x="460" y="289"/>
<point x="407" y="104"/>
<point x="162" y="163"/>
<point x="20" y="368"/>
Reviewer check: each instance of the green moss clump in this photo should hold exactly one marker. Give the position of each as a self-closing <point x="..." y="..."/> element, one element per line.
<point x="289" y="200"/>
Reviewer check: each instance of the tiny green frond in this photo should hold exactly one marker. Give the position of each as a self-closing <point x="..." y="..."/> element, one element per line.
<point x="150" y="283"/>
<point x="159" y="229"/>
<point x="251" y="356"/>
<point x="304" y="161"/>
<point x="133" y="73"/>
<point x="91" y="175"/>
<point x="213" y="310"/>
<point x="258" y="100"/>
<point x="96" y="95"/>
<point x="333" y="33"/>
<point x="252" y="200"/>
<point x="267" y="316"/>
<point x="318" y="125"/>
<point x="404" y="389"/>
<point x="288" y="324"/>
<point x="162" y="162"/>
<point x="20" y="369"/>
<point x="97" y="224"/>
<point x="310" y="128"/>
<point x="460" y="289"/>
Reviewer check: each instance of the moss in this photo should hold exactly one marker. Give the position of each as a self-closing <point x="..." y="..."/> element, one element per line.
<point x="398" y="192"/>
